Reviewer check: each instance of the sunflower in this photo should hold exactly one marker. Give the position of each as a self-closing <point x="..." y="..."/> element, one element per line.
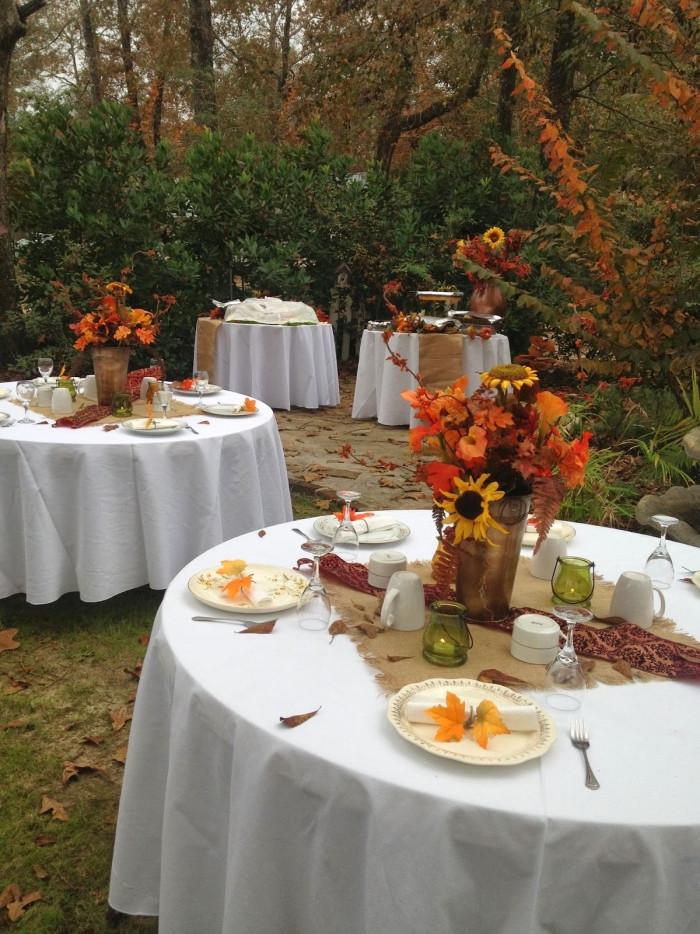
<point x="494" y="237"/>
<point x="509" y="375"/>
<point x="468" y="508"/>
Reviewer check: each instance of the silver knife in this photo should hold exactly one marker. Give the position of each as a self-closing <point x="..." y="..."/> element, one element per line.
<point x="225" y="619"/>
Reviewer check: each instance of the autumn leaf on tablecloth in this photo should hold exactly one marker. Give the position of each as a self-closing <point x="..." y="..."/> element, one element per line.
<point x="262" y="533"/>
<point x="234" y="587"/>
<point x="232" y="568"/>
<point x="487" y="722"/>
<point x="112" y="427"/>
<point x="298" y="718"/>
<point x="250" y="405"/>
<point x="337" y="628"/>
<point x="57" y="809"/>
<point x="449" y="718"/>
<point x="494" y="676"/>
<point x="267" y="626"/>
<point x="6" y="639"/>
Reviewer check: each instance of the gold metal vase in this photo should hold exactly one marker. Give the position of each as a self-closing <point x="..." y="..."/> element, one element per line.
<point x="111" y="365"/>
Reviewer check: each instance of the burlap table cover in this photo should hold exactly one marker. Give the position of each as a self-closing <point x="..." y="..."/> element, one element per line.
<point x="140" y="410"/>
<point x="440" y="359"/>
<point x="206" y="339"/>
<point x="397" y="657"/>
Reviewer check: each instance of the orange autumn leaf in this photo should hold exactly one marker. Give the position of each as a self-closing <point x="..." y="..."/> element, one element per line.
<point x="250" y="405"/>
<point x="232" y="568"/>
<point x="450" y="719"/>
<point x="7" y="641"/>
<point x="298" y="718"/>
<point x="234" y="587"/>
<point x="263" y="628"/>
<point x="57" y="809"/>
<point x="487" y="722"/>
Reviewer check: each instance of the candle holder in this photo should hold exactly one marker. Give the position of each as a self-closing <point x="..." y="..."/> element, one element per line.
<point x="121" y="404"/>
<point x="573" y="581"/>
<point x="446" y="638"/>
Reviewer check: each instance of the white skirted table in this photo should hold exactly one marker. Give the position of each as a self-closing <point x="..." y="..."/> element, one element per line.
<point x="230" y="823"/>
<point x="380" y="382"/>
<point x="285" y="365"/>
<point x="100" y="512"/>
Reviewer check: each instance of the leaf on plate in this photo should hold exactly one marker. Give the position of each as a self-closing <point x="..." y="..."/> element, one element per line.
<point x="7" y="641"/>
<point x="232" y="568"/>
<point x="250" y="405"/>
<point x="487" y="722"/>
<point x="298" y="718"/>
<point x="259" y="627"/>
<point x="624" y="668"/>
<point x="234" y="587"/>
<point x="57" y="809"/>
<point x="494" y="676"/>
<point x="119" y="718"/>
<point x="449" y="718"/>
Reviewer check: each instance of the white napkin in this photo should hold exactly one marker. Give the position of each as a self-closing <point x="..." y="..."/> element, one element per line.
<point x="253" y="594"/>
<point x="516" y="718"/>
<point x="373" y="524"/>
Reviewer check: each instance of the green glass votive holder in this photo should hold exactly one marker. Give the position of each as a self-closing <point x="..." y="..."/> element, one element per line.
<point x="121" y="405"/>
<point x="573" y="581"/>
<point x="446" y="637"/>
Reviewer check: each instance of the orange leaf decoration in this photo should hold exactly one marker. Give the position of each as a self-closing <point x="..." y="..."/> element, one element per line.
<point x="187" y="384"/>
<point x="234" y="587"/>
<point x="250" y="405"/>
<point x="487" y="722"/>
<point x="450" y="719"/>
<point x="232" y="568"/>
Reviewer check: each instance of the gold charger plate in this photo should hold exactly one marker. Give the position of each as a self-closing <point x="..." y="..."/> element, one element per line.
<point x="283" y="586"/>
<point x="509" y="749"/>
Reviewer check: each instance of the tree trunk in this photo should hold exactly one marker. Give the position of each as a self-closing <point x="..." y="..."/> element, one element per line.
<point x="202" y="62"/>
<point x="128" y="58"/>
<point x="160" y="83"/>
<point x="13" y="20"/>
<point x="91" y="56"/>
<point x="514" y="26"/>
<point x="284" y="70"/>
<point x="562" y="67"/>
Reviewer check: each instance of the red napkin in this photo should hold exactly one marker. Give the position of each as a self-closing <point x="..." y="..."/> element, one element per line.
<point x="136" y="377"/>
<point x="86" y="416"/>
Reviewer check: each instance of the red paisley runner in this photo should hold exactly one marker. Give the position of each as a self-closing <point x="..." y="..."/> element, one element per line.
<point x="86" y="416"/>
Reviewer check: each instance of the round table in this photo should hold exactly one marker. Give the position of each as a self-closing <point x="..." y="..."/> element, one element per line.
<point x="284" y="365"/>
<point x="380" y="382"/>
<point x="101" y="512"/>
<point x="230" y="822"/>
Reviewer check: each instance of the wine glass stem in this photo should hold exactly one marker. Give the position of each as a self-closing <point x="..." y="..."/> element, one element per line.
<point x="346" y="513"/>
<point x="662" y="537"/>
<point x="569" y="644"/>
<point x="316" y="576"/>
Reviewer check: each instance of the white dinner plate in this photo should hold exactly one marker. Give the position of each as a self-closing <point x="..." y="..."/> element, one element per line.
<point x="209" y="391"/>
<point x="282" y="585"/>
<point x="4" y="417"/>
<point x="506" y="749"/>
<point x="158" y="426"/>
<point x="228" y="409"/>
<point x="560" y="528"/>
<point x="4" y="392"/>
<point x="326" y="526"/>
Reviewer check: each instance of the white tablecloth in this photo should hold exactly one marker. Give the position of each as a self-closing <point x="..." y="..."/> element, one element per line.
<point x="101" y="512"/>
<point x="283" y="365"/>
<point x="229" y="822"/>
<point x="380" y="382"/>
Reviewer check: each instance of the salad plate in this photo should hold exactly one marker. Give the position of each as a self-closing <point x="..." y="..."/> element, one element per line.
<point x="326" y="526"/>
<point x="228" y="409"/>
<point x="282" y="587"/>
<point x="209" y="391"/>
<point x="507" y="749"/>
<point x="154" y="426"/>
<point x="559" y="528"/>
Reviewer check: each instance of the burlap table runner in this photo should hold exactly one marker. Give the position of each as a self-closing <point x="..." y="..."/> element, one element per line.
<point x="206" y="339"/>
<point x="140" y="410"/>
<point x="440" y="359"/>
<point x="397" y="659"/>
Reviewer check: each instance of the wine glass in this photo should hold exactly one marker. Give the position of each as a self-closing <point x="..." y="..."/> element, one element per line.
<point x="564" y="680"/>
<point x="314" y="605"/>
<point x="346" y="542"/>
<point x="659" y="565"/>
<point x="45" y="367"/>
<point x="26" y="393"/>
<point x="164" y="397"/>
<point x="201" y="381"/>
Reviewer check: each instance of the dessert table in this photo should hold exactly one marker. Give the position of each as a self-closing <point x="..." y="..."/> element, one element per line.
<point x="380" y="382"/>
<point x="283" y="365"/>
<point x="232" y="823"/>
<point x="100" y="512"/>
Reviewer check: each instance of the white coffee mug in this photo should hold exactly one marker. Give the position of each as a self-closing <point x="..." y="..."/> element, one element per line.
<point x="542" y="563"/>
<point x="633" y="599"/>
<point x="61" y="401"/>
<point x="44" y="395"/>
<point x="88" y="387"/>
<point x="404" y="604"/>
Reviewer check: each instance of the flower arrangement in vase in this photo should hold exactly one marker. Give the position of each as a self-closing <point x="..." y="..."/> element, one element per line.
<point x="490" y="256"/>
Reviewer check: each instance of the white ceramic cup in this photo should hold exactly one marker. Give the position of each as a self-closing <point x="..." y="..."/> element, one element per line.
<point x="61" y="401"/>
<point x="382" y="564"/>
<point x="542" y="564"/>
<point x="44" y="396"/>
<point x="404" y="603"/>
<point x="633" y="599"/>
<point x="144" y="385"/>
<point x="88" y="387"/>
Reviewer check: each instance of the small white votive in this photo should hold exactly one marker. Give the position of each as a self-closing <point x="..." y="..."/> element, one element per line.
<point x="43" y="396"/>
<point x="61" y="401"/>
<point x="535" y="639"/>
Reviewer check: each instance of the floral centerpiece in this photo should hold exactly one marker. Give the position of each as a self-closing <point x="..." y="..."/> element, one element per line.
<point x="499" y="454"/>
<point x="493" y="254"/>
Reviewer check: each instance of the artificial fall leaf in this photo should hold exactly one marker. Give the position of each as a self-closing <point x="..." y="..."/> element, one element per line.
<point x="119" y="718"/>
<point x="494" y="676"/>
<point x="232" y="568"/>
<point x="111" y="427"/>
<point x="234" y="587"/>
<point x="120" y="754"/>
<point x="298" y="718"/>
<point x="7" y="641"/>
<point x="57" y="809"/>
<point x="369" y="629"/>
<point x="337" y="628"/>
<point x="267" y="626"/>
<point x="250" y="405"/>
<point x="487" y="722"/>
<point x="449" y="718"/>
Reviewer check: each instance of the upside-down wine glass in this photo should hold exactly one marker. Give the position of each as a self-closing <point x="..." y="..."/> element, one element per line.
<point x="314" y="605"/>
<point x="45" y="367"/>
<point x="26" y="393"/>
<point x="659" y="565"/>
<point x="164" y="397"/>
<point x="201" y="381"/>
<point x="572" y="584"/>
<point x="346" y="542"/>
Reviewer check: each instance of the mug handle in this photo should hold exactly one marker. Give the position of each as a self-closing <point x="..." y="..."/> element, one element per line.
<point x="662" y="603"/>
<point x="387" y="617"/>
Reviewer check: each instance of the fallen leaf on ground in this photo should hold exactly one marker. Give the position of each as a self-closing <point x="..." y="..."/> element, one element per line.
<point x="57" y="809"/>
<point x="93" y="740"/>
<point x="145" y="638"/>
<point x="73" y="769"/>
<point x="299" y="718"/>
<point x="14" y="725"/>
<point x="120" y="754"/>
<point x="45" y="839"/>
<point x="494" y="676"/>
<point x="119" y="718"/>
<point x="259" y="627"/>
<point x="7" y="641"/>
<point x="16" y="686"/>
<point x="11" y="894"/>
<point x="135" y="672"/>
<point x="40" y="873"/>
<point x="385" y="481"/>
<point x="15" y="910"/>
<point x="323" y="504"/>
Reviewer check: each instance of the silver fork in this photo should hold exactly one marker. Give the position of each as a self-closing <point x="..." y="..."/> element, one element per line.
<point x="579" y="737"/>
